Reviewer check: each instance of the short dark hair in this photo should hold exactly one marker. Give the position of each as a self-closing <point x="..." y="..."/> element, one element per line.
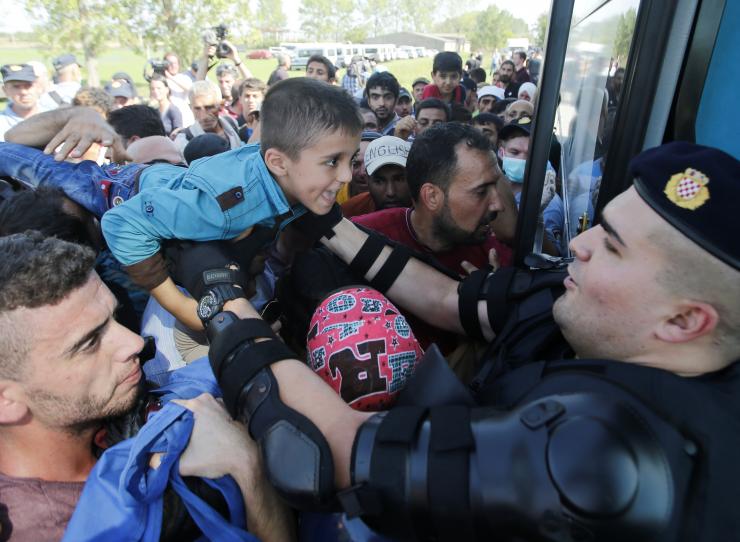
<point x="432" y="103"/>
<point x="384" y="80"/>
<point x="159" y="77"/>
<point x="136" y="120"/>
<point x="521" y="55"/>
<point x="499" y="106"/>
<point x="252" y="83"/>
<point x="488" y="118"/>
<point x="447" y="61"/>
<point x="297" y="113"/>
<point x="513" y="66"/>
<point x="433" y="155"/>
<point x="35" y="271"/>
<point x="331" y="69"/>
<point x="460" y="113"/>
<point x="478" y="75"/>
<point x="43" y="210"/>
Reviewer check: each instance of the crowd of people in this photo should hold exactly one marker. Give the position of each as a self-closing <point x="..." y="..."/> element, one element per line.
<point x="333" y="262"/>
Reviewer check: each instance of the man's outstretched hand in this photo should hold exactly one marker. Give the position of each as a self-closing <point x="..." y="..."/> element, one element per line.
<point x="83" y="129"/>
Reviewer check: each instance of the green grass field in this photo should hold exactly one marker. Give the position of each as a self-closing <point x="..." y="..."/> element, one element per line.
<point x="126" y="60"/>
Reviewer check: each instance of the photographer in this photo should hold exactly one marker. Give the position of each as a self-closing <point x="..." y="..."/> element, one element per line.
<point x="216" y="45"/>
<point x="179" y="83"/>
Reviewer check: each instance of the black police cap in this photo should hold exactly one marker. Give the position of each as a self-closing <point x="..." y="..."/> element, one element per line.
<point x="696" y="189"/>
<point x="18" y="72"/>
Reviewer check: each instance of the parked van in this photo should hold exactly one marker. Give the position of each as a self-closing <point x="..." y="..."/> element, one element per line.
<point x="348" y="51"/>
<point x="304" y="51"/>
<point x="380" y="52"/>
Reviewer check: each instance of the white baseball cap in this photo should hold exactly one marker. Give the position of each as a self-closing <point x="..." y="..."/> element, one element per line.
<point x="490" y="90"/>
<point x="386" y="150"/>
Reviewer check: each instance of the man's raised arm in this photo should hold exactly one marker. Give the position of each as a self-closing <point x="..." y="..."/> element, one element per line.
<point x="71" y="129"/>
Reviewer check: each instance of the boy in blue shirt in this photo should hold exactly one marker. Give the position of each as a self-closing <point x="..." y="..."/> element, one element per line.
<point x="310" y="134"/>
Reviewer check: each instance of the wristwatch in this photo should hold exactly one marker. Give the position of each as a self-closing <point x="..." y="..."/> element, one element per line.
<point x="214" y="299"/>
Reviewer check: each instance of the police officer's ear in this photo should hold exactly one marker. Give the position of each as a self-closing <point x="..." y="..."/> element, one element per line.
<point x="13" y="407"/>
<point x="690" y="320"/>
<point x="431" y="196"/>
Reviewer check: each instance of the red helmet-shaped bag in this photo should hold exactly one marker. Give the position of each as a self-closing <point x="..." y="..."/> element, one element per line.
<point x="362" y="346"/>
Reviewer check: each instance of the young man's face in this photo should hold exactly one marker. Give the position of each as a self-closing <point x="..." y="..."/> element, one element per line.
<point x="518" y="61"/>
<point x="485" y="104"/>
<point x="382" y="102"/>
<point x="83" y="366"/>
<point x="388" y="187"/>
<point x="516" y="147"/>
<point x="428" y="117"/>
<point x="205" y="110"/>
<point x="370" y="121"/>
<point x="612" y="301"/>
<point x="319" y="172"/>
<point x="225" y="82"/>
<point x="490" y="131"/>
<point x="23" y="94"/>
<point x="251" y="100"/>
<point x="417" y="90"/>
<point x="472" y="199"/>
<point x="446" y="82"/>
<point x="317" y="70"/>
<point x="505" y="73"/>
<point x="403" y="107"/>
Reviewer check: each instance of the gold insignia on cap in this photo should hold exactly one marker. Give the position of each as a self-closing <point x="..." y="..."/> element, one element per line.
<point x="524" y="120"/>
<point x="688" y="190"/>
<point x="115" y="84"/>
<point x="15" y="68"/>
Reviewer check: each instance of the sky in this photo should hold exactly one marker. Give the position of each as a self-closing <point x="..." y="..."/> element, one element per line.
<point x="14" y="18"/>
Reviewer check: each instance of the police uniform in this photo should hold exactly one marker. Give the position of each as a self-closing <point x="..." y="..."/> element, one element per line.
<point x="13" y="72"/>
<point x="557" y="450"/>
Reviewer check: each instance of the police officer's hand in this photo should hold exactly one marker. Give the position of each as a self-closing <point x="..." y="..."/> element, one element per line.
<point x="188" y="261"/>
<point x="314" y="226"/>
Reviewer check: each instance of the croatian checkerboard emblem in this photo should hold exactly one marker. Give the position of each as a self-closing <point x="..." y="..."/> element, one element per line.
<point x="688" y="189"/>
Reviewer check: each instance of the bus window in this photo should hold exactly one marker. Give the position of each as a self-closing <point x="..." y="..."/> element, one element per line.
<point x="595" y="58"/>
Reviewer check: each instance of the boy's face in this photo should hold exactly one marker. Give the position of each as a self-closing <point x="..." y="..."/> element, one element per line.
<point x="382" y="102"/>
<point x="446" y="81"/>
<point x="320" y="170"/>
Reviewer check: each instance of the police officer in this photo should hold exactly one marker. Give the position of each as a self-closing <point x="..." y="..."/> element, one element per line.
<point x="633" y="438"/>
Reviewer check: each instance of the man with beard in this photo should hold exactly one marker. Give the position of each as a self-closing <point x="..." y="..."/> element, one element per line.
<point x="506" y="77"/>
<point x="382" y="91"/>
<point x="451" y="174"/>
<point x="66" y="367"/>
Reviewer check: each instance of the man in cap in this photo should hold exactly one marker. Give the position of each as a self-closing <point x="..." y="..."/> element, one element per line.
<point x="68" y="77"/>
<point x="385" y="163"/>
<point x="417" y="89"/>
<point x="122" y="93"/>
<point x="22" y="93"/>
<point x="626" y="430"/>
<point x="487" y="96"/>
<point x="404" y="103"/>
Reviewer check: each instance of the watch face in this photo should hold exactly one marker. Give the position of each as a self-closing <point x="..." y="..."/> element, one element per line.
<point x="207" y="306"/>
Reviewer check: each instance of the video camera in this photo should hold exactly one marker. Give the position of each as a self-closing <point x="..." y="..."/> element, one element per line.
<point x="157" y="66"/>
<point x="216" y="36"/>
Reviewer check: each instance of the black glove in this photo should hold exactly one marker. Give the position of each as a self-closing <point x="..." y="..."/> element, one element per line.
<point x="194" y="265"/>
<point x="316" y="226"/>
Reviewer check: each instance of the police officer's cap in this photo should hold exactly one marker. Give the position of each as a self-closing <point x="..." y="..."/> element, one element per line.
<point x="18" y="72"/>
<point x="517" y="128"/>
<point x="696" y="189"/>
<point x="63" y="61"/>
